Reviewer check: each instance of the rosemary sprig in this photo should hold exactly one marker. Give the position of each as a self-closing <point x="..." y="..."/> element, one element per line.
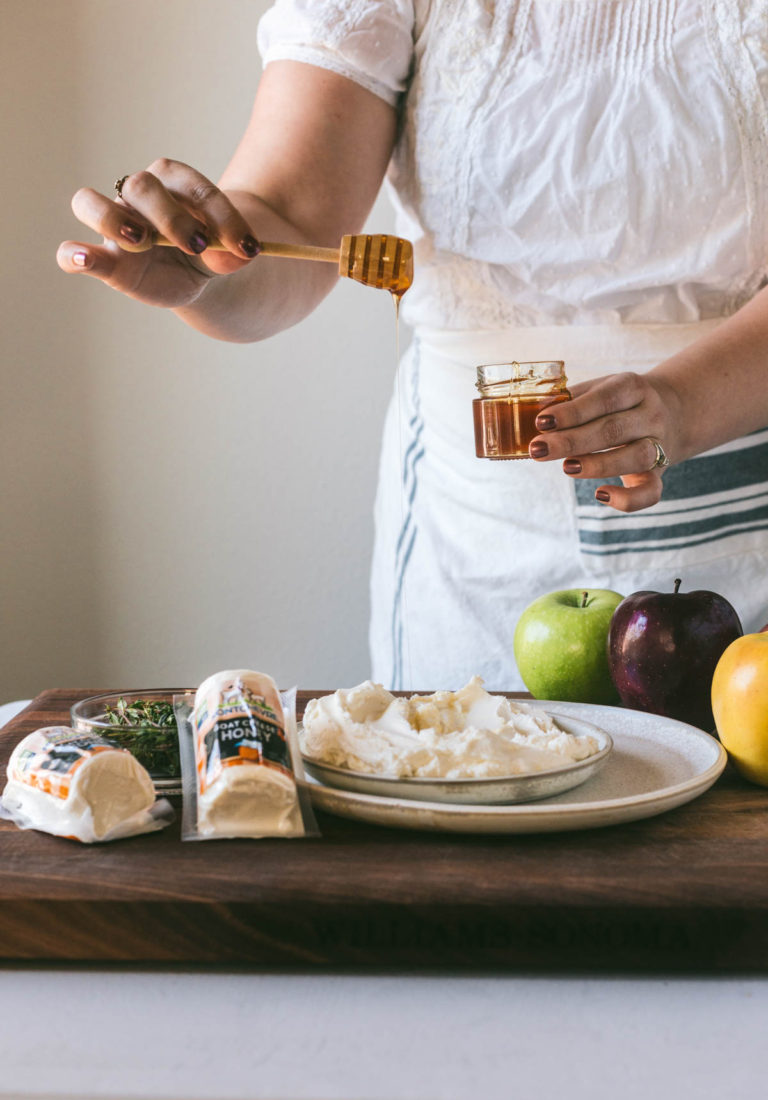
<point x="147" y="728"/>
<point x="141" y="712"/>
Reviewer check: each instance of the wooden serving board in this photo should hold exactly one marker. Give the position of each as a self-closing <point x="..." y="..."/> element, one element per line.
<point x="686" y="891"/>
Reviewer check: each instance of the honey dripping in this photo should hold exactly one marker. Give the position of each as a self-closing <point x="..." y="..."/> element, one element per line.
<point x="397" y="295"/>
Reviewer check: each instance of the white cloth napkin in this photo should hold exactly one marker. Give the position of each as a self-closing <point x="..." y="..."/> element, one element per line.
<point x="10" y="710"/>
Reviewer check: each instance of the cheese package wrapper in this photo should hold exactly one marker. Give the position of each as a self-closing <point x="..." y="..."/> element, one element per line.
<point x="80" y="786"/>
<point x="241" y="768"/>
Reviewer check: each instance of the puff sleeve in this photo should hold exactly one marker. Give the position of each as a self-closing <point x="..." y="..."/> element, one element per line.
<point x="368" y="41"/>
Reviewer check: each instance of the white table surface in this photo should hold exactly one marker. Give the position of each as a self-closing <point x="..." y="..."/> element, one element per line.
<point x="8" y="710"/>
<point x="253" y="1037"/>
<point x="95" y="1034"/>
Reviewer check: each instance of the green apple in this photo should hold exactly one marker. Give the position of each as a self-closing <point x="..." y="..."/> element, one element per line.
<point x="561" y="645"/>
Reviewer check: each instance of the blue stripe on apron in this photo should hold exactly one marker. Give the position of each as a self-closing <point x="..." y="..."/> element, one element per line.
<point x="689" y="522"/>
<point x="408" y="530"/>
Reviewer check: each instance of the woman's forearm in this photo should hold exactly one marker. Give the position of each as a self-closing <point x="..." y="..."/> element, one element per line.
<point x="718" y="386"/>
<point x="306" y="171"/>
<point x="266" y="296"/>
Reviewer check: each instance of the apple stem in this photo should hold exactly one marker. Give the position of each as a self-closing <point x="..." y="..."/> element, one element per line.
<point x="677" y="585"/>
<point x="585" y="595"/>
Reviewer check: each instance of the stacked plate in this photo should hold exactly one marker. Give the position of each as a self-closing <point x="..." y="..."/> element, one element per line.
<point x="646" y="765"/>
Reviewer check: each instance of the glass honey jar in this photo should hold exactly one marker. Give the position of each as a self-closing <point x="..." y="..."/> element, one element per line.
<point x="511" y="397"/>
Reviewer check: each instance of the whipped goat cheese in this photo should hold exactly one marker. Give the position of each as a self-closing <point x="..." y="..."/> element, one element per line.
<point x="465" y="734"/>
<point x="79" y="785"/>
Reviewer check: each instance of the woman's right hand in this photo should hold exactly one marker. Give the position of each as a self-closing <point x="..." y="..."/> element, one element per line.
<point x="297" y="176"/>
<point x="171" y="199"/>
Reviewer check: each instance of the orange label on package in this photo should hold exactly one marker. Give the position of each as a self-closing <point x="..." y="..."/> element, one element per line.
<point x="242" y="724"/>
<point x="51" y="757"/>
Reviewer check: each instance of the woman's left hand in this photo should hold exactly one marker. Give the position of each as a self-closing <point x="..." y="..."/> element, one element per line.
<point x="610" y="429"/>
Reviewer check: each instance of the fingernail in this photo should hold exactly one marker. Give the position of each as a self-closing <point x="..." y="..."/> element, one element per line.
<point x="131" y="232"/>
<point x="198" y="242"/>
<point x="538" y="449"/>
<point x="81" y="259"/>
<point x="572" y="466"/>
<point x="545" y="422"/>
<point x="603" y="495"/>
<point x="250" y="246"/>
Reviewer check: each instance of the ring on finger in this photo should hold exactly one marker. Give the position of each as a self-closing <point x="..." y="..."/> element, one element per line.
<point x="661" y="460"/>
<point x="119" y="184"/>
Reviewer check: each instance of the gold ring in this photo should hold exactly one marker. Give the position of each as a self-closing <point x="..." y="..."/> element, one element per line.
<point x="661" y="459"/>
<point x="119" y="186"/>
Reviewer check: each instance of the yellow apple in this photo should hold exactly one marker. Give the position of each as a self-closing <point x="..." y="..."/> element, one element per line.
<point x="740" y="705"/>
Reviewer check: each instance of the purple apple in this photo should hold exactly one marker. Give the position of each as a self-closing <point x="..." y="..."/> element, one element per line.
<point x="663" y="648"/>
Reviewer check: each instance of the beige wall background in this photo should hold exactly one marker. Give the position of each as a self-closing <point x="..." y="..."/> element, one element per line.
<point x="170" y="505"/>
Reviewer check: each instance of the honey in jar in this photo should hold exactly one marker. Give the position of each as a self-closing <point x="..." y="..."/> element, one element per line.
<point x="511" y="397"/>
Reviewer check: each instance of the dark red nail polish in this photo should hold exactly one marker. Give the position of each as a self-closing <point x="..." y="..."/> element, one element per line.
<point x="250" y="246"/>
<point x="545" y="422"/>
<point x="603" y="495"/>
<point x="132" y="232"/>
<point x="198" y="242"/>
<point x="538" y="449"/>
<point x="572" y="466"/>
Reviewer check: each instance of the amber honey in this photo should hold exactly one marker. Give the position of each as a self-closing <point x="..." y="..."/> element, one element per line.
<point x="512" y="396"/>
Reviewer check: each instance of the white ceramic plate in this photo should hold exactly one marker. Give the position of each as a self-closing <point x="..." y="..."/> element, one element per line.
<point x="656" y="764"/>
<point x="506" y="789"/>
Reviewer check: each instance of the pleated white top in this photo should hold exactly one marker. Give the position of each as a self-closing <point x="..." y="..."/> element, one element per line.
<point x="563" y="161"/>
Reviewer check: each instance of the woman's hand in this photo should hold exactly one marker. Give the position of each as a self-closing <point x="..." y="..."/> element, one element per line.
<point x="297" y="176"/>
<point x="177" y="202"/>
<point x="608" y="430"/>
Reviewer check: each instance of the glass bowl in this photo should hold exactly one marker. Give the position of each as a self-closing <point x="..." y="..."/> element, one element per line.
<point x="154" y="746"/>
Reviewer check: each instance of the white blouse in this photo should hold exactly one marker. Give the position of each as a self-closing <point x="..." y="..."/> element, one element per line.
<point x="563" y="162"/>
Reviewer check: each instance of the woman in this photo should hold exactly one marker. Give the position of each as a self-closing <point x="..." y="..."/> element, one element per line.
<point x="582" y="181"/>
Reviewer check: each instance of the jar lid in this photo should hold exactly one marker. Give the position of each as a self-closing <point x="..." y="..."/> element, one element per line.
<point x="500" y="379"/>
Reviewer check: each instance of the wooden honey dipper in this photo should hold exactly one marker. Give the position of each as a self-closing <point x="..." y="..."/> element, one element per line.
<point x="374" y="259"/>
